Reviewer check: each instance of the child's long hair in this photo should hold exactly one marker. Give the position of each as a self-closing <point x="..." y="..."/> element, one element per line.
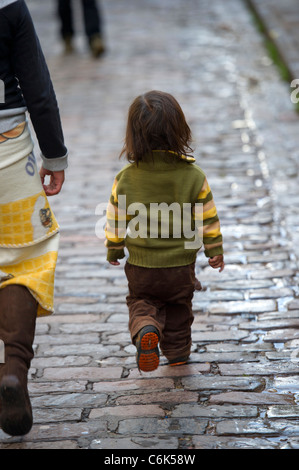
<point x="155" y="122"/>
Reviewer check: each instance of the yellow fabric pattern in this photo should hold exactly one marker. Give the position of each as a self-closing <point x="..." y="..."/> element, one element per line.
<point x="205" y="190"/>
<point x="37" y="274"/>
<point x="18" y="220"/>
<point x="29" y="232"/>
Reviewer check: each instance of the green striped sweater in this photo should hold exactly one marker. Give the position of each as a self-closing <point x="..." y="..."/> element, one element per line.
<point x="162" y="210"/>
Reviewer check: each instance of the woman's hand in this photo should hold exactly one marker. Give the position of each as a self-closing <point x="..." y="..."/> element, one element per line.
<point x="56" y="181"/>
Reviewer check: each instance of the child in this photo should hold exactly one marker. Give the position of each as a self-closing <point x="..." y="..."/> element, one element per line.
<point x="161" y="264"/>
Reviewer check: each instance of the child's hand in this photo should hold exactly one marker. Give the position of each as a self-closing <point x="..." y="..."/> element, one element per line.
<point x="114" y="263"/>
<point x="217" y="262"/>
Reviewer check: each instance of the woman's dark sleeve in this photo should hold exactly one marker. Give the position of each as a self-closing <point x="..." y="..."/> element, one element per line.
<point x="32" y="72"/>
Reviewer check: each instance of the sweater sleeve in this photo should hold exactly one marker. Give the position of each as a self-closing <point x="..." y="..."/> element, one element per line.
<point x="116" y="227"/>
<point x="33" y="75"/>
<point x="211" y="234"/>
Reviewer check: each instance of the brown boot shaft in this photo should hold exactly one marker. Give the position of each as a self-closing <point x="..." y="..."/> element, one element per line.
<point x="17" y="323"/>
<point x="18" y="311"/>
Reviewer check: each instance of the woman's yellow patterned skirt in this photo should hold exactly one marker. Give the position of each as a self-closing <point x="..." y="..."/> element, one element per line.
<point x="29" y="232"/>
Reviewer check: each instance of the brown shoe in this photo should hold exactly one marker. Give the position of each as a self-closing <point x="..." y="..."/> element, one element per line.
<point x="96" y="45"/>
<point x="68" y="45"/>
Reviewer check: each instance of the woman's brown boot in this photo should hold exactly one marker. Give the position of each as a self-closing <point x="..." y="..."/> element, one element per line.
<point x="18" y="310"/>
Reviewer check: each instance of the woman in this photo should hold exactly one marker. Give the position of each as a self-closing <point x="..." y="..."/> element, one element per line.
<point x="29" y="233"/>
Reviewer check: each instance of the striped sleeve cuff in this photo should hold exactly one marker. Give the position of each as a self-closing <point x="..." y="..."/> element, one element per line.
<point x="55" y="164"/>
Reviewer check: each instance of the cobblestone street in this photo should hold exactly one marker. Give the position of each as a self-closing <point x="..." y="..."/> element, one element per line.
<point x="241" y="386"/>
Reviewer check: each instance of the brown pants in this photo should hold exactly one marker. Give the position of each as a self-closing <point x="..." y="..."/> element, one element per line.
<point x="162" y="297"/>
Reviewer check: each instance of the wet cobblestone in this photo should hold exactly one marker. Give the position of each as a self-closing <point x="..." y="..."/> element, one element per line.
<point x="240" y="389"/>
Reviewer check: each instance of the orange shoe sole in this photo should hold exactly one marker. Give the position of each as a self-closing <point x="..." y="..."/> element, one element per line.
<point x="148" y="362"/>
<point x="149" y="341"/>
<point x="148" y="355"/>
<point x="178" y="363"/>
